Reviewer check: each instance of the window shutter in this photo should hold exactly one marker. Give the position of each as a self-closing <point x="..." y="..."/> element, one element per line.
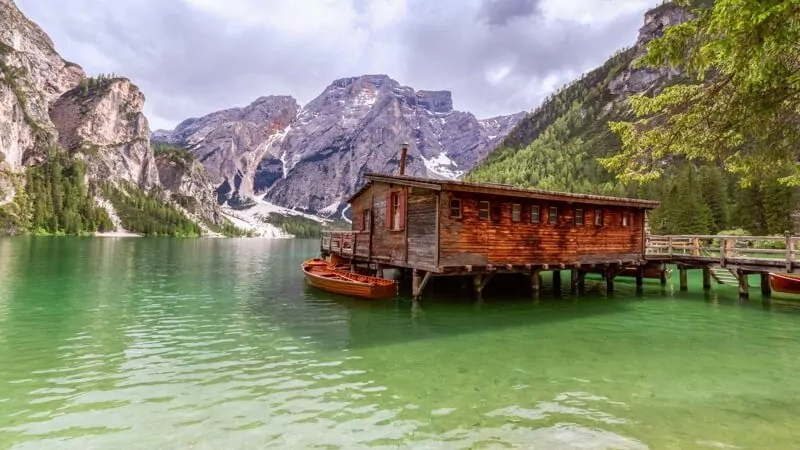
<point x="402" y="201"/>
<point x="388" y="211"/>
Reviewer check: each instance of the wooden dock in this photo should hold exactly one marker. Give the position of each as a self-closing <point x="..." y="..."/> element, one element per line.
<point x="724" y="260"/>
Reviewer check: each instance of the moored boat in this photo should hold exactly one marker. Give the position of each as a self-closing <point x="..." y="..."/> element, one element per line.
<point x="784" y="282"/>
<point x="322" y="275"/>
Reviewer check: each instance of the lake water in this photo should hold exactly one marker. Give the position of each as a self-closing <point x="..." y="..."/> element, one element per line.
<point x="219" y="343"/>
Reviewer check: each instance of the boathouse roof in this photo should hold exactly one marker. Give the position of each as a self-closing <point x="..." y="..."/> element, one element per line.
<point x="500" y="189"/>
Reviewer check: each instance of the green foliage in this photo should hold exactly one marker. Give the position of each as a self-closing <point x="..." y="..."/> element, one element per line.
<point x="59" y="201"/>
<point x="97" y="84"/>
<point x="591" y="90"/>
<point x="298" y="226"/>
<point x="148" y="213"/>
<point x="743" y="111"/>
<point x="696" y="197"/>
<point x="173" y="153"/>
<point x="226" y="228"/>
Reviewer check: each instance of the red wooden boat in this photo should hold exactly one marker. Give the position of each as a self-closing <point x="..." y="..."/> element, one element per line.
<point x="784" y="282"/>
<point x="322" y="275"/>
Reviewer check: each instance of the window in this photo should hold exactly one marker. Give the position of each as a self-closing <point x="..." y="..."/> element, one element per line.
<point x="598" y="217"/>
<point x="365" y="220"/>
<point x="455" y="208"/>
<point x="396" y="210"/>
<point x="578" y="216"/>
<point x="553" y="218"/>
<point x="535" y="213"/>
<point x="483" y="210"/>
<point x="516" y="212"/>
<point x="624" y="219"/>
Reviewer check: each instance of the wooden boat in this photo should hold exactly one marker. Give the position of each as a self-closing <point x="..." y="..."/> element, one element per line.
<point x="322" y="275"/>
<point x="784" y="282"/>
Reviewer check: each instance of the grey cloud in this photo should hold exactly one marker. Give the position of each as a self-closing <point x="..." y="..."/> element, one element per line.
<point x="189" y="63"/>
<point x="500" y="12"/>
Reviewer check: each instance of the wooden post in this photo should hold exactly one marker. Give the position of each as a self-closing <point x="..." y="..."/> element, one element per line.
<point x="744" y="285"/>
<point x="581" y="280"/>
<point x="695" y="246"/>
<point x="789" y="253"/>
<point x="684" y="279"/>
<point x="556" y="281"/>
<point x="476" y="280"/>
<point x="574" y="277"/>
<point x="706" y="278"/>
<point x="766" y="289"/>
<point x="536" y="283"/>
<point x="639" y="276"/>
<point x="378" y="270"/>
<point x="723" y="250"/>
<point x="609" y="272"/>
<point x="416" y="280"/>
<point x="663" y="275"/>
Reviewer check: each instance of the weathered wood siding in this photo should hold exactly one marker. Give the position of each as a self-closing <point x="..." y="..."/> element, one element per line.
<point x="499" y="241"/>
<point x="357" y="208"/>
<point x="387" y="245"/>
<point x="421" y="222"/>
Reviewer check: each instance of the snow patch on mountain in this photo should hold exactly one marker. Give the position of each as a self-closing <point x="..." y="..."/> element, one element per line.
<point x="442" y="166"/>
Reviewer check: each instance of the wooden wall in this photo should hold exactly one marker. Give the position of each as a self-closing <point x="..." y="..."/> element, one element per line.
<point x="470" y="241"/>
<point x="422" y="226"/>
<point x="387" y="245"/>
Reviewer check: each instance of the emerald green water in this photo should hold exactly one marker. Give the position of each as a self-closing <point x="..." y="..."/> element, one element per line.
<point x="219" y="343"/>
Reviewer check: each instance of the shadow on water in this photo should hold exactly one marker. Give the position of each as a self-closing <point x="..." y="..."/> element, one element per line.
<point x="336" y="320"/>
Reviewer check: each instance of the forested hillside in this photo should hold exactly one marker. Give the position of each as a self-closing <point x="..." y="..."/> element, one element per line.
<point x="558" y="145"/>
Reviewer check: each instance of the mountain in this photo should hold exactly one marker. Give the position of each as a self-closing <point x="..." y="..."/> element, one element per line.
<point x="75" y="153"/>
<point x="312" y="158"/>
<point x="558" y="144"/>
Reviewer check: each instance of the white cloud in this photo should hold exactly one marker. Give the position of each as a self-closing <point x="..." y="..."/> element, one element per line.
<point x="191" y="57"/>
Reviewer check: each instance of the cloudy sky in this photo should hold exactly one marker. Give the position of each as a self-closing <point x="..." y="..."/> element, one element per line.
<point x="192" y="57"/>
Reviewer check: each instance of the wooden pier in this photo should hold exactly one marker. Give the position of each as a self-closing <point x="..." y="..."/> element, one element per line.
<point x="723" y="260"/>
<point x="726" y="259"/>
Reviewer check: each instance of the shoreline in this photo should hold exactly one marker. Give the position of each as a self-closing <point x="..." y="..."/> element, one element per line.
<point x="117" y="234"/>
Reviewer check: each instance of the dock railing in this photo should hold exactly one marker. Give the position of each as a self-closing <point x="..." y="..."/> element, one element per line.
<point x="725" y="248"/>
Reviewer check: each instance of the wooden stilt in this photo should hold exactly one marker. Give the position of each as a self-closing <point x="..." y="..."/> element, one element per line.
<point x="477" y="281"/>
<point x="416" y="280"/>
<point x="663" y="279"/>
<point x="556" y="281"/>
<point x="684" y="279"/>
<point x="581" y="280"/>
<point x="766" y="289"/>
<point x="536" y="283"/>
<point x="378" y="270"/>
<point x="744" y="285"/>
<point x="639" y="276"/>
<point x="609" y="275"/>
<point x="574" y="278"/>
<point x="706" y="278"/>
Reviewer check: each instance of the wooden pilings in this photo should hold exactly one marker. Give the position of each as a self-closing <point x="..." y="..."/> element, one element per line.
<point x="766" y="289"/>
<point x="706" y="278"/>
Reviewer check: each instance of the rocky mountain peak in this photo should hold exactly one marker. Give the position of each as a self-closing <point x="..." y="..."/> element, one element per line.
<point x="435" y="101"/>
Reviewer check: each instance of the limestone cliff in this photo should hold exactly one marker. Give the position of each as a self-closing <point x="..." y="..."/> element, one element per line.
<point x="51" y="114"/>
<point x="102" y="119"/>
<point x="32" y="75"/>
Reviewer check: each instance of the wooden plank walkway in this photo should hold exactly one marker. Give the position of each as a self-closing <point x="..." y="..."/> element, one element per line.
<point x="726" y="259"/>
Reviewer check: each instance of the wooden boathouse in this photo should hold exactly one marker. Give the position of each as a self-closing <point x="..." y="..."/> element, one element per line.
<point x="436" y="227"/>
